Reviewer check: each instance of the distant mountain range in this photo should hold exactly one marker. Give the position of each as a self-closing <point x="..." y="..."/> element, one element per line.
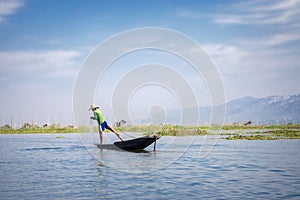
<point x="268" y="110"/>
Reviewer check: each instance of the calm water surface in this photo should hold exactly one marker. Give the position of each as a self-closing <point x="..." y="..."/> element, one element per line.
<point x="41" y="166"/>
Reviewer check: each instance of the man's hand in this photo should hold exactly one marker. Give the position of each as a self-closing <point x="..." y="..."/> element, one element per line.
<point x="92" y="118"/>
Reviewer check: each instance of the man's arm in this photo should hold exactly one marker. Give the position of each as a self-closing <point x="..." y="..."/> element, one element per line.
<point x="95" y="117"/>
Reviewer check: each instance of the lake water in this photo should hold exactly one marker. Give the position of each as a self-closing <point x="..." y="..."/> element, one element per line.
<point x="42" y="166"/>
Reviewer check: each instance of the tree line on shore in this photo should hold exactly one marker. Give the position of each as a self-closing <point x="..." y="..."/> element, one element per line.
<point x="46" y="128"/>
<point x="34" y="126"/>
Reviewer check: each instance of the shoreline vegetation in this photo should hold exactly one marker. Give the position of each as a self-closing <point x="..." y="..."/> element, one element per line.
<point x="228" y="132"/>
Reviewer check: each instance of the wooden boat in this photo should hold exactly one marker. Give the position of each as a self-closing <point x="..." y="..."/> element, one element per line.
<point x="132" y="145"/>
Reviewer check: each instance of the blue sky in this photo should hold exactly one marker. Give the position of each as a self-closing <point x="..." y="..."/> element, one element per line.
<point x="254" y="44"/>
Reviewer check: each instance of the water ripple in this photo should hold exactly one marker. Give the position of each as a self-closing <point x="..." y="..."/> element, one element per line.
<point x="42" y="167"/>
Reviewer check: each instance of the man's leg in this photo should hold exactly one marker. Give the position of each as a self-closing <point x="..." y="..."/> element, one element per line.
<point x="113" y="130"/>
<point x="100" y="135"/>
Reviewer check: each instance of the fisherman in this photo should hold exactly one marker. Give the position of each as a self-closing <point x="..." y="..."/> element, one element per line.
<point x="102" y="124"/>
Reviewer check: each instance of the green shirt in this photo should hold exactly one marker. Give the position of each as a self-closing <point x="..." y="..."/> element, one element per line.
<point x="98" y="116"/>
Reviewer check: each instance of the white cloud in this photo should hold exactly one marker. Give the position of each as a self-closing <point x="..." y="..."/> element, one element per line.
<point x="232" y="59"/>
<point x="39" y="82"/>
<point x="266" y="5"/>
<point x="255" y="12"/>
<point x="221" y="49"/>
<point x="188" y="14"/>
<point x="272" y="41"/>
<point x="9" y="7"/>
<point x="259" y="72"/>
<point x="262" y="12"/>
<point x="55" y="63"/>
<point x="226" y="56"/>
